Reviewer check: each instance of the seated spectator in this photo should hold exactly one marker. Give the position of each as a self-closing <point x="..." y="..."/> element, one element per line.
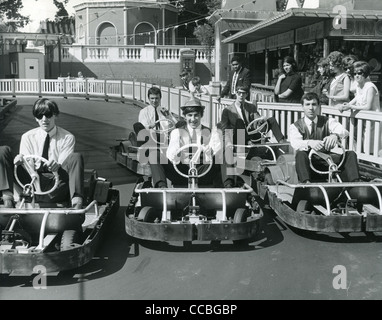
<point x="197" y="89"/>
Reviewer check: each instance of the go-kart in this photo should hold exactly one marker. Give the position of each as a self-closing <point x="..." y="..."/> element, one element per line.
<point x="53" y="236"/>
<point x="331" y="205"/>
<point x="130" y="151"/>
<point x="192" y="212"/>
<point x="259" y="153"/>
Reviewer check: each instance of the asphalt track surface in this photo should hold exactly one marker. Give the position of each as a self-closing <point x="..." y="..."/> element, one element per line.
<point x="282" y="263"/>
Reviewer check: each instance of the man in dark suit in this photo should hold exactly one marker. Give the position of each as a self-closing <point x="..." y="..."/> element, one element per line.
<point x="239" y="76"/>
<point x="239" y="114"/>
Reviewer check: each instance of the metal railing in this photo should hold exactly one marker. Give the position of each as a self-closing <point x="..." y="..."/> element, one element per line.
<point x="365" y="127"/>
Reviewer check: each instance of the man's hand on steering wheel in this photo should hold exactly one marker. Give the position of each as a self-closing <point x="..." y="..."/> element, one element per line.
<point x="53" y="165"/>
<point x="330" y="142"/>
<point x="316" y="145"/>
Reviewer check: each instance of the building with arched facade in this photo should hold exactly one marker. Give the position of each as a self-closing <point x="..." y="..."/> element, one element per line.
<point x="116" y="23"/>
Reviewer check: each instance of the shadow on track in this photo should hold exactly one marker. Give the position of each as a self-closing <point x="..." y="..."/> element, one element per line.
<point x="109" y="258"/>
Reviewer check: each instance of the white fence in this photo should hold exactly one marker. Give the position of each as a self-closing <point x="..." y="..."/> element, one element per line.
<point x="365" y="127"/>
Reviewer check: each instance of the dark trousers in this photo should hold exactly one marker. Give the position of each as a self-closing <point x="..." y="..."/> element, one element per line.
<point x="348" y="171"/>
<point x="6" y="169"/>
<point x="71" y="180"/>
<point x="164" y="169"/>
<point x="272" y="126"/>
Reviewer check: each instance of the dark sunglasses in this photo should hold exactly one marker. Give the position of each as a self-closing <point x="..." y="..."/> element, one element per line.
<point x="360" y="73"/>
<point x="234" y="64"/>
<point x="47" y="114"/>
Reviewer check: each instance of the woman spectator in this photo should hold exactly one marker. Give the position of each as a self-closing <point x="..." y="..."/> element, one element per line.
<point x="324" y="80"/>
<point x="366" y="97"/>
<point x="347" y="64"/>
<point x="339" y="90"/>
<point x="289" y="84"/>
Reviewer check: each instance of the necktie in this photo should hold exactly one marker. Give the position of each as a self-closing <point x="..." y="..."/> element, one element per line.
<point x="244" y="116"/>
<point x="312" y="130"/>
<point x="234" y="80"/>
<point x="45" y="150"/>
<point x="194" y="138"/>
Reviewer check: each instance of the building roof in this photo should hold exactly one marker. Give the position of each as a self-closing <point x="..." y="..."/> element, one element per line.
<point x="233" y="21"/>
<point x="295" y="18"/>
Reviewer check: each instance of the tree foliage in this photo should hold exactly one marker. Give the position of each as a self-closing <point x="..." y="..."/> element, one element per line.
<point x="10" y="15"/>
<point x="206" y="35"/>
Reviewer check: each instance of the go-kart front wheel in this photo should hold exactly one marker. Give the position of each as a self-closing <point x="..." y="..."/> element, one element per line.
<point x="148" y="214"/>
<point x="70" y="239"/>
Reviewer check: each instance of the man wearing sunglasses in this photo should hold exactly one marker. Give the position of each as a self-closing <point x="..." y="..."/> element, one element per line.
<point x="56" y="145"/>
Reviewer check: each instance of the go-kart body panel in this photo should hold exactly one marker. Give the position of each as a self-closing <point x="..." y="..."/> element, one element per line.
<point x="44" y="228"/>
<point x="215" y="221"/>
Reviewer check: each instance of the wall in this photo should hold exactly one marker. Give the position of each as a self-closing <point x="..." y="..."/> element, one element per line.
<point x="159" y="73"/>
<point x="31" y="55"/>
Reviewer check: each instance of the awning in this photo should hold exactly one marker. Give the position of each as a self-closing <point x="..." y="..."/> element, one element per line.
<point x="293" y="19"/>
<point x="233" y="21"/>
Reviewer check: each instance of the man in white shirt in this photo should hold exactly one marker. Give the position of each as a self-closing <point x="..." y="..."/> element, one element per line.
<point x="319" y="133"/>
<point x="6" y="176"/>
<point x="192" y="131"/>
<point x="56" y="145"/>
<point x="149" y="115"/>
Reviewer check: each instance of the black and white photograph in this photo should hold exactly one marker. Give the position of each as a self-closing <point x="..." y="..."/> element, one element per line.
<point x="190" y="156"/>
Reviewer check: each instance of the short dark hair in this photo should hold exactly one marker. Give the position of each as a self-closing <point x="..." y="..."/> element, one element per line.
<point x="184" y="72"/>
<point x="154" y="90"/>
<point x="193" y="109"/>
<point x="43" y="106"/>
<point x="237" y="59"/>
<point x="310" y="96"/>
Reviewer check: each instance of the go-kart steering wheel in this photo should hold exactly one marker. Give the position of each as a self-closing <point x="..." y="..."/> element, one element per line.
<point x="258" y="129"/>
<point x="331" y="165"/>
<point x="171" y="126"/>
<point x="193" y="160"/>
<point x="32" y="172"/>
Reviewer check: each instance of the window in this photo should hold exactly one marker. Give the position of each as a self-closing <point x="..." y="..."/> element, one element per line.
<point x="14" y="67"/>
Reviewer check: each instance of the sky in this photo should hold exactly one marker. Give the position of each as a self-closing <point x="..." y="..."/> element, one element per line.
<point x="39" y="10"/>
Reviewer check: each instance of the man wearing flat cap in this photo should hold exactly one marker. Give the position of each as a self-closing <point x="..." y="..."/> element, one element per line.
<point x="191" y="132"/>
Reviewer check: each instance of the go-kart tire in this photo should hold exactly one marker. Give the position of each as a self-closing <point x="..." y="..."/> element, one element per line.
<point x="268" y="180"/>
<point x="148" y="214"/>
<point x="70" y="239"/>
<point x="241" y="215"/>
<point x="304" y="206"/>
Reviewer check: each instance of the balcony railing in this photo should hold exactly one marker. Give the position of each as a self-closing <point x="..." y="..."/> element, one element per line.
<point x="365" y="127"/>
<point x="146" y="53"/>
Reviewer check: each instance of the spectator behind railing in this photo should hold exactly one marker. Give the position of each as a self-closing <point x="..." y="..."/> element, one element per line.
<point x="366" y="98"/>
<point x="197" y="89"/>
<point x="289" y="84"/>
<point x="339" y="91"/>
<point x="324" y="80"/>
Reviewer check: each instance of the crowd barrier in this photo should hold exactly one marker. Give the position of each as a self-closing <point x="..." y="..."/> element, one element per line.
<point x="365" y="127"/>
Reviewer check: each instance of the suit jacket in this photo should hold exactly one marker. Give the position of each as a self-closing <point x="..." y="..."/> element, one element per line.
<point x="243" y="79"/>
<point x="230" y="115"/>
